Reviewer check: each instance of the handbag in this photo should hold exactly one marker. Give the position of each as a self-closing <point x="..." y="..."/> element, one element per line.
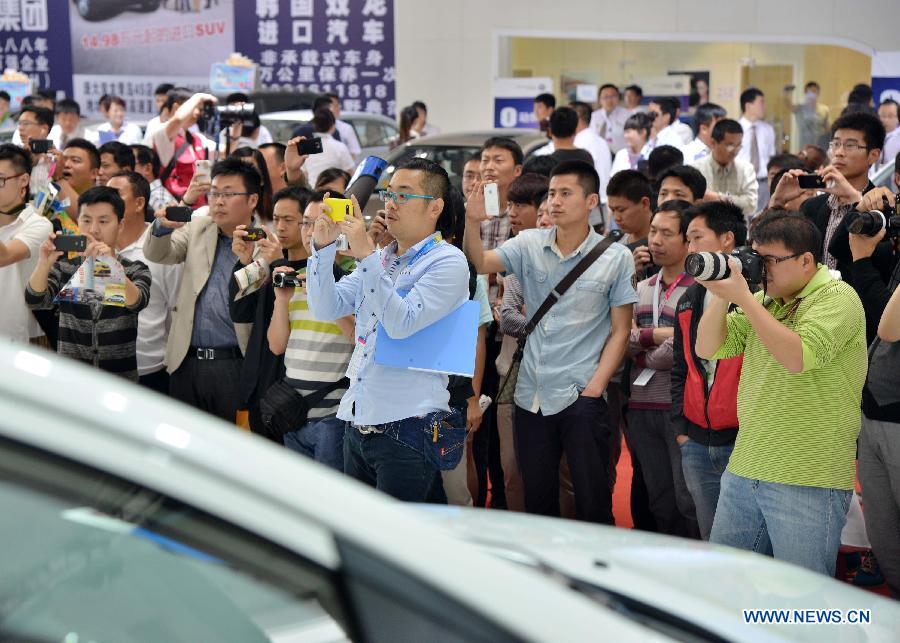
<point x="507" y="391"/>
<point x="283" y="409"/>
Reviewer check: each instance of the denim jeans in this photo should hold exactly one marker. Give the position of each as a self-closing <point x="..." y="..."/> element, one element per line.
<point x="703" y="467"/>
<point x="384" y="463"/>
<point x="321" y="439"/>
<point x="796" y="524"/>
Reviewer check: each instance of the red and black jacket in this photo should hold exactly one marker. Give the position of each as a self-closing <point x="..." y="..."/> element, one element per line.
<point x="706" y="414"/>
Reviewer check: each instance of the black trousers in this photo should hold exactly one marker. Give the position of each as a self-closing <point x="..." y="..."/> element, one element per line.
<point x="210" y="385"/>
<point x="581" y="431"/>
<point x="158" y="381"/>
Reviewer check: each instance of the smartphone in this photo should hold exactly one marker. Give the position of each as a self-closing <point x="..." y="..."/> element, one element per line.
<point x="255" y="234"/>
<point x="491" y="200"/>
<point x="71" y="242"/>
<point x="40" y="145"/>
<point x="179" y="213"/>
<point x="309" y="146"/>
<point x="340" y="208"/>
<point x="811" y="182"/>
<point x="202" y="167"/>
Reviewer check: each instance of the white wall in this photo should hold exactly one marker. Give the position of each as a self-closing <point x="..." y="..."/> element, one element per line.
<point x="448" y="50"/>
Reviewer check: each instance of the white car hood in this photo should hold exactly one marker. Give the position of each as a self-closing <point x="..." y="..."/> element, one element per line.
<point x="705" y="584"/>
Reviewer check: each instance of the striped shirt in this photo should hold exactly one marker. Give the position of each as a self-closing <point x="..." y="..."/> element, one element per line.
<point x="317" y="355"/>
<point x="656" y="394"/>
<point x="801" y="428"/>
<point x="103" y="336"/>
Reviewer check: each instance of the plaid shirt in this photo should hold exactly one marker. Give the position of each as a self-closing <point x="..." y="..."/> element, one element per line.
<point x="838" y="212"/>
<point x="495" y="231"/>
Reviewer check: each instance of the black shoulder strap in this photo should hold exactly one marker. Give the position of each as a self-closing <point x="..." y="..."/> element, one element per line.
<point x="322" y="393"/>
<point x="567" y="282"/>
<point x="174" y="160"/>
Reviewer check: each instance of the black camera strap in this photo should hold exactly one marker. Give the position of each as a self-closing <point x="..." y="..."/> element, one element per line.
<point x="174" y="160"/>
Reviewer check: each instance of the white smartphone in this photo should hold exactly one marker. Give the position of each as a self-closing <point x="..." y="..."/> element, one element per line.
<point x="484" y="402"/>
<point x="491" y="200"/>
<point x="203" y="167"/>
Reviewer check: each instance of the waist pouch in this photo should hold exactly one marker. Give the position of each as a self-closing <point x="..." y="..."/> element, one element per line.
<point x="439" y="436"/>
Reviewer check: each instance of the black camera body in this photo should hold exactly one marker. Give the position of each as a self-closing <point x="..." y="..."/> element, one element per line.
<point x="286" y="280"/>
<point x="874" y="221"/>
<point x="713" y="266"/>
<point x="230" y="114"/>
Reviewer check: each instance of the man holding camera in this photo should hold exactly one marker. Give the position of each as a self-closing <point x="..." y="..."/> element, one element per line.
<point x="94" y="332"/>
<point x="789" y="480"/>
<point x="385" y="404"/>
<point x="704" y="391"/>
<point x="205" y="347"/>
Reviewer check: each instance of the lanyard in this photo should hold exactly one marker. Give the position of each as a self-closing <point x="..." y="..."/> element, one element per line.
<point x="671" y="288"/>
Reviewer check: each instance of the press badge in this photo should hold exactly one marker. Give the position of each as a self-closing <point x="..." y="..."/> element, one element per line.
<point x="356" y="358"/>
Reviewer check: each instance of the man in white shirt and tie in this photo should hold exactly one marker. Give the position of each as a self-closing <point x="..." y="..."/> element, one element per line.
<point x="759" y="139"/>
<point x="888" y="113"/>
<point x="609" y="120"/>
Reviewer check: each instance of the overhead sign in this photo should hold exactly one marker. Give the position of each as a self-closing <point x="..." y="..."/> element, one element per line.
<point x="886" y="76"/>
<point x="514" y="100"/>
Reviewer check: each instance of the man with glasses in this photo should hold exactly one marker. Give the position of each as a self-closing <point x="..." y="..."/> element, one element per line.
<point x="728" y="178"/>
<point x="787" y="488"/>
<point x="205" y="347"/>
<point x="856" y="143"/>
<point x="412" y="283"/>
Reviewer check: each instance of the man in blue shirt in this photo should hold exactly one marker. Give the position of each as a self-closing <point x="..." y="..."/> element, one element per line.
<point x="415" y="281"/>
<point x="574" y="351"/>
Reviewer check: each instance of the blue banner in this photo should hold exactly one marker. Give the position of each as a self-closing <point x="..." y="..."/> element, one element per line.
<point x="340" y="46"/>
<point x="37" y="42"/>
<point x="515" y="113"/>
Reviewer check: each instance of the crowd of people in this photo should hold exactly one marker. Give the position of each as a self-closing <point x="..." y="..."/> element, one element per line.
<point x="736" y="324"/>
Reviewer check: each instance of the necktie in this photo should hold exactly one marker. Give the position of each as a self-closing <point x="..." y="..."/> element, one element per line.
<point x="754" y="149"/>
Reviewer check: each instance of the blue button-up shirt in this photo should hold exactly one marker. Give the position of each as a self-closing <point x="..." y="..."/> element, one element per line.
<point x="213" y="327"/>
<point x="563" y="352"/>
<point x="435" y="284"/>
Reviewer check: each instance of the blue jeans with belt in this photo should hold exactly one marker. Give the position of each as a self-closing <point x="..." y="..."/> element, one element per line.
<point x="321" y="439"/>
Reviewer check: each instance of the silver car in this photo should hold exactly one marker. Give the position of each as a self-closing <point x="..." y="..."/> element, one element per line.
<point x="373" y="131"/>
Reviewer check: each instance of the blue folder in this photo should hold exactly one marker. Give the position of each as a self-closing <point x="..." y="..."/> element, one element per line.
<point x="446" y="346"/>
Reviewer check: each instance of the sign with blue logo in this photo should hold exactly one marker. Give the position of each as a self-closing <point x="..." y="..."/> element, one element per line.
<point x="514" y="101"/>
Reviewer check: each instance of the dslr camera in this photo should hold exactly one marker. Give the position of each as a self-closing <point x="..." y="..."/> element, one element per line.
<point x="713" y="266"/>
<point x="285" y="280"/>
<point x="874" y="221"/>
<point x="230" y="114"/>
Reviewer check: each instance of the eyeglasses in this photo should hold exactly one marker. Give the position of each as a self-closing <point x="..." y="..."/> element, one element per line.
<point x="225" y="195"/>
<point x="733" y="148"/>
<point x="28" y="123"/>
<point x="4" y="179"/>
<point x="849" y="146"/>
<point x="400" y="197"/>
<point x="770" y="260"/>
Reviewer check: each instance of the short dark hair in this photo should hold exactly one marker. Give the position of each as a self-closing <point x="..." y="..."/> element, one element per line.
<point x="121" y="153"/>
<point x="548" y="100"/>
<point x="629" y="184"/>
<point x="333" y="96"/>
<point x="688" y="175"/>
<point x="323" y="120"/>
<point x="786" y="162"/>
<point x="798" y="233"/>
<point x="563" y="122"/>
<point x="163" y="88"/>
<point x="662" y="158"/>
<point x="68" y="106"/>
<point x="144" y="155"/>
<point x="861" y="94"/>
<point x="607" y="86"/>
<point x="587" y="176"/>
<point x="177" y="96"/>
<point x="295" y="193"/>
<point x="542" y="164"/>
<point x="420" y="105"/>
<point x="724" y="127"/>
<point x="707" y="113"/>
<point x="639" y="121"/>
<point x="17" y="156"/>
<point x="4" y="95"/>
<point x="507" y="144"/>
<point x="436" y="183"/>
<point x="87" y="146"/>
<point x="583" y="110"/>
<point x="748" y="96"/>
<point x="102" y="194"/>
<point x="232" y="166"/>
<point x="526" y="187"/>
<point x="280" y="149"/>
<point x="668" y="105"/>
<point x="321" y="101"/>
<point x="43" y="115"/>
<point x="330" y="174"/>
<point x="139" y="188"/>
<point x="318" y="196"/>
<point x="236" y="97"/>
<point x="722" y="217"/>
<point x="117" y="100"/>
<point x="636" y="89"/>
<point x="679" y="207"/>
<point x="865" y="122"/>
<point x="811" y="83"/>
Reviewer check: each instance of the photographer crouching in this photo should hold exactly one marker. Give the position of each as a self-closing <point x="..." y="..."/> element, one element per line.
<point x="789" y="481"/>
<point x="400" y="423"/>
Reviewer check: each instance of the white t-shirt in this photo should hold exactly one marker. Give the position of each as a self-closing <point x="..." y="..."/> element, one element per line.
<point x="16" y="321"/>
<point x="334" y="154"/>
<point x="130" y="134"/>
<point x="588" y="140"/>
<point x="348" y="137"/>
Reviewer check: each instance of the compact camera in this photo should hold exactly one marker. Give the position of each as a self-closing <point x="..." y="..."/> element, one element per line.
<point x="713" y="266"/>
<point x="286" y="280"/>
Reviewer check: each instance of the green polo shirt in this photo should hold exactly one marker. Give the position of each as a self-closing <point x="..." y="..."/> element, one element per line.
<point x="801" y="428"/>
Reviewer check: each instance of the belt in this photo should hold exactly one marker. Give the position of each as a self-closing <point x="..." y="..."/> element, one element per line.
<point x="369" y="429"/>
<point x="214" y="353"/>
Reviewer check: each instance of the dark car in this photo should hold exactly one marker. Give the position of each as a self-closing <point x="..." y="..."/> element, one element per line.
<point x="96" y="10"/>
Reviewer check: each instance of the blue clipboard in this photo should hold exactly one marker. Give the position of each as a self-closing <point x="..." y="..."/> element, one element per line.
<point x="446" y="346"/>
